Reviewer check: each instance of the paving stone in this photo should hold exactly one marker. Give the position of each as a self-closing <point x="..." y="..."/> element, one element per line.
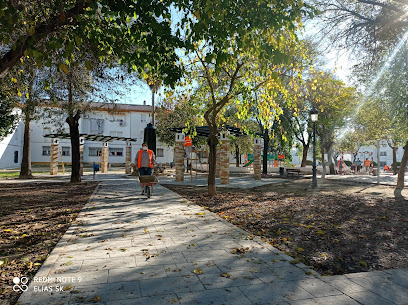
<point x="276" y="293"/>
<point x="106" y="292"/>
<point x="137" y="273"/>
<point x="152" y="300"/>
<point x="228" y="279"/>
<point x="193" y="256"/>
<point x="369" y="298"/>
<point x="170" y="285"/>
<point x="182" y="269"/>
<point x="227" y="296"/>
<point x="343" y="284"/>
<point x="319" y="288"/>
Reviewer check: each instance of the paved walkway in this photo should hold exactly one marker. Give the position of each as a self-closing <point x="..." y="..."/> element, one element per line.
<point x="127" y="249"/>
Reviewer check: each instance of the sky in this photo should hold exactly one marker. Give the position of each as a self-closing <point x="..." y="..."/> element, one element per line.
<point x="335" y="61"/>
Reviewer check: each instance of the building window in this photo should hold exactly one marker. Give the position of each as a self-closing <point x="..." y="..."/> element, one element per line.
<point x="115" y="151"/>
<point x="95" y="151"/>
<point x="160" y="152"/>
<point x="46" y="150"/>
<point x="96" y="126"/>
<point x="16" y="156"/>
<point x="66" y="151"/>
<point x="116" y="133"/>
<point x="143" y="118"/>
<point x="383" y="153"/>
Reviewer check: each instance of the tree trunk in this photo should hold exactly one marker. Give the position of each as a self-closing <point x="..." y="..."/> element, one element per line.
<point x="331" y="162"/>
<point x="73" y="122"/>
<point x="265" y="155"/>
<point x="25" y="170"/>
<point x="401" y="172"/>
<point x="323" y="163"/>
<point x="304" y="156"/>
<point x="394" y="160"/>
<point x="212" y="143"/>
<point x="237" y="155"/>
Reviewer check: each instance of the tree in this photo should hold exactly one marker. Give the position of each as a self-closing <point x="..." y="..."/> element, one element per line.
<point x="334" y="101"/>
<point x="221" y="84"/>
<point x="174" y="113"/>
<point x="366" y="28"/>
<point x="129" y="30"/>
<point x="8" y="118"/>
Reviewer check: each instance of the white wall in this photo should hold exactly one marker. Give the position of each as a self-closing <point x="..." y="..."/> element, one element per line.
<point x="10" y="145"/>
<point x="128" y="124"/>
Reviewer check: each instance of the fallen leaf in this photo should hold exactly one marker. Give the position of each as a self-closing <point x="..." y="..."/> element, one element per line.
<point x="225" y="274"/>
<point x="67" y="288"/>
<point x="198" y="271"/>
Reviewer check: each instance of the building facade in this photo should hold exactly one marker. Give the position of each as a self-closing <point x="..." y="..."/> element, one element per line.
<point x="364" y="152"/>
<point x="119" y="120"/>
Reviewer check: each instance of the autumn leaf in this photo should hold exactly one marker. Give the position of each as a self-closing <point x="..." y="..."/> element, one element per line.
<point x="63" y="67"/>
<point x="198" y="271"/>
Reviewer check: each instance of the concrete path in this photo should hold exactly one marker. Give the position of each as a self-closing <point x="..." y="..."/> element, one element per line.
<point x="127" y="249"/>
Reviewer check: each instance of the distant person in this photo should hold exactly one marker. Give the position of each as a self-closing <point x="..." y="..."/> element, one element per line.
<point x="367" y="164"/>
<point x="358" y="164"/>
<point x="188" y="144"/>
<point x="340" y="166"/>
<point x="145" y="160"/>
<point x="386" y="168"/>
<point x="353" y="168"/>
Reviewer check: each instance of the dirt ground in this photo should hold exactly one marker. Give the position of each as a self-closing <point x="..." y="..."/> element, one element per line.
<point x="33" y="217"/>
<point x="337" y="229"/>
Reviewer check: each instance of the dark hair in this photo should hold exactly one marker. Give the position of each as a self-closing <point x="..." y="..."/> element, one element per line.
<point x="144" y="143"/>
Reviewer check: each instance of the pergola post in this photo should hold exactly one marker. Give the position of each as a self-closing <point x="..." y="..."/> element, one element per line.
<point x="224" y="158"/>
<point x="128" y="165"/>
<point x="257" y="158"/>
<point x="104" y="163"/>
<point x="179" y="156"/>
<point x="54" y="157"/>
<point x="81" y="155"/>
<point x="218" y="163"/>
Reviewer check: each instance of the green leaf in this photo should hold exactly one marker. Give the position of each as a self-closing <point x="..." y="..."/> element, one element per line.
<point x="78" y="40"/>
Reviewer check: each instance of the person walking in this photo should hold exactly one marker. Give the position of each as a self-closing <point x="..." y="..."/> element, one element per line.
<point x="145" y="160"/>
<point x="358" y="164"/>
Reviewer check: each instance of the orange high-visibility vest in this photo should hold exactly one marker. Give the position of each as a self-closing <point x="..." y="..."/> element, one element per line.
<point x="187" y="141"/>
<point x="367" y="163"/>
<point x="139" y="160"/>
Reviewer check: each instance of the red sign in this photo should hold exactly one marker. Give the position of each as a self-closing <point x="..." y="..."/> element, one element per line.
<point x="281" y="157"/>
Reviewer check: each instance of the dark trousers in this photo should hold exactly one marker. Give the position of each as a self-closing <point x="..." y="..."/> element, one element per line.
<point x="145" y="171"/>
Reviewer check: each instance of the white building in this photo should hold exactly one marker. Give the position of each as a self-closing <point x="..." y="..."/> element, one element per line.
<point x="363" y="153"/>
<point x="119" y="120"/>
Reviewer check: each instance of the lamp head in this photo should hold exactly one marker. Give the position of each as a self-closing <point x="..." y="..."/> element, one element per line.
<point x="314" y="113"/>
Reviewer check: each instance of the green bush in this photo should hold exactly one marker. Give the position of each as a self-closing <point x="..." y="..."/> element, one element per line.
<point x="398" y="164"/>
<point x="309" y="162"/>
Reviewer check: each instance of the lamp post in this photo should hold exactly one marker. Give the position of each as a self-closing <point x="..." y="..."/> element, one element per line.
<point x="313" y="117"/>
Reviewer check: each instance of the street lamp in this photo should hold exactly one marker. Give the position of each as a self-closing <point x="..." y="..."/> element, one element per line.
<point x="314" y="116"/>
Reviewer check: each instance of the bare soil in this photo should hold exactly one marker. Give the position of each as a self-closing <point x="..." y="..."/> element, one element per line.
<point x="338" y="228"/>
<point x="33" y="217"/>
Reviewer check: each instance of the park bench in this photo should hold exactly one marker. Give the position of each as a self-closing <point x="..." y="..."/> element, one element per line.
<point x="292" y="171"/>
